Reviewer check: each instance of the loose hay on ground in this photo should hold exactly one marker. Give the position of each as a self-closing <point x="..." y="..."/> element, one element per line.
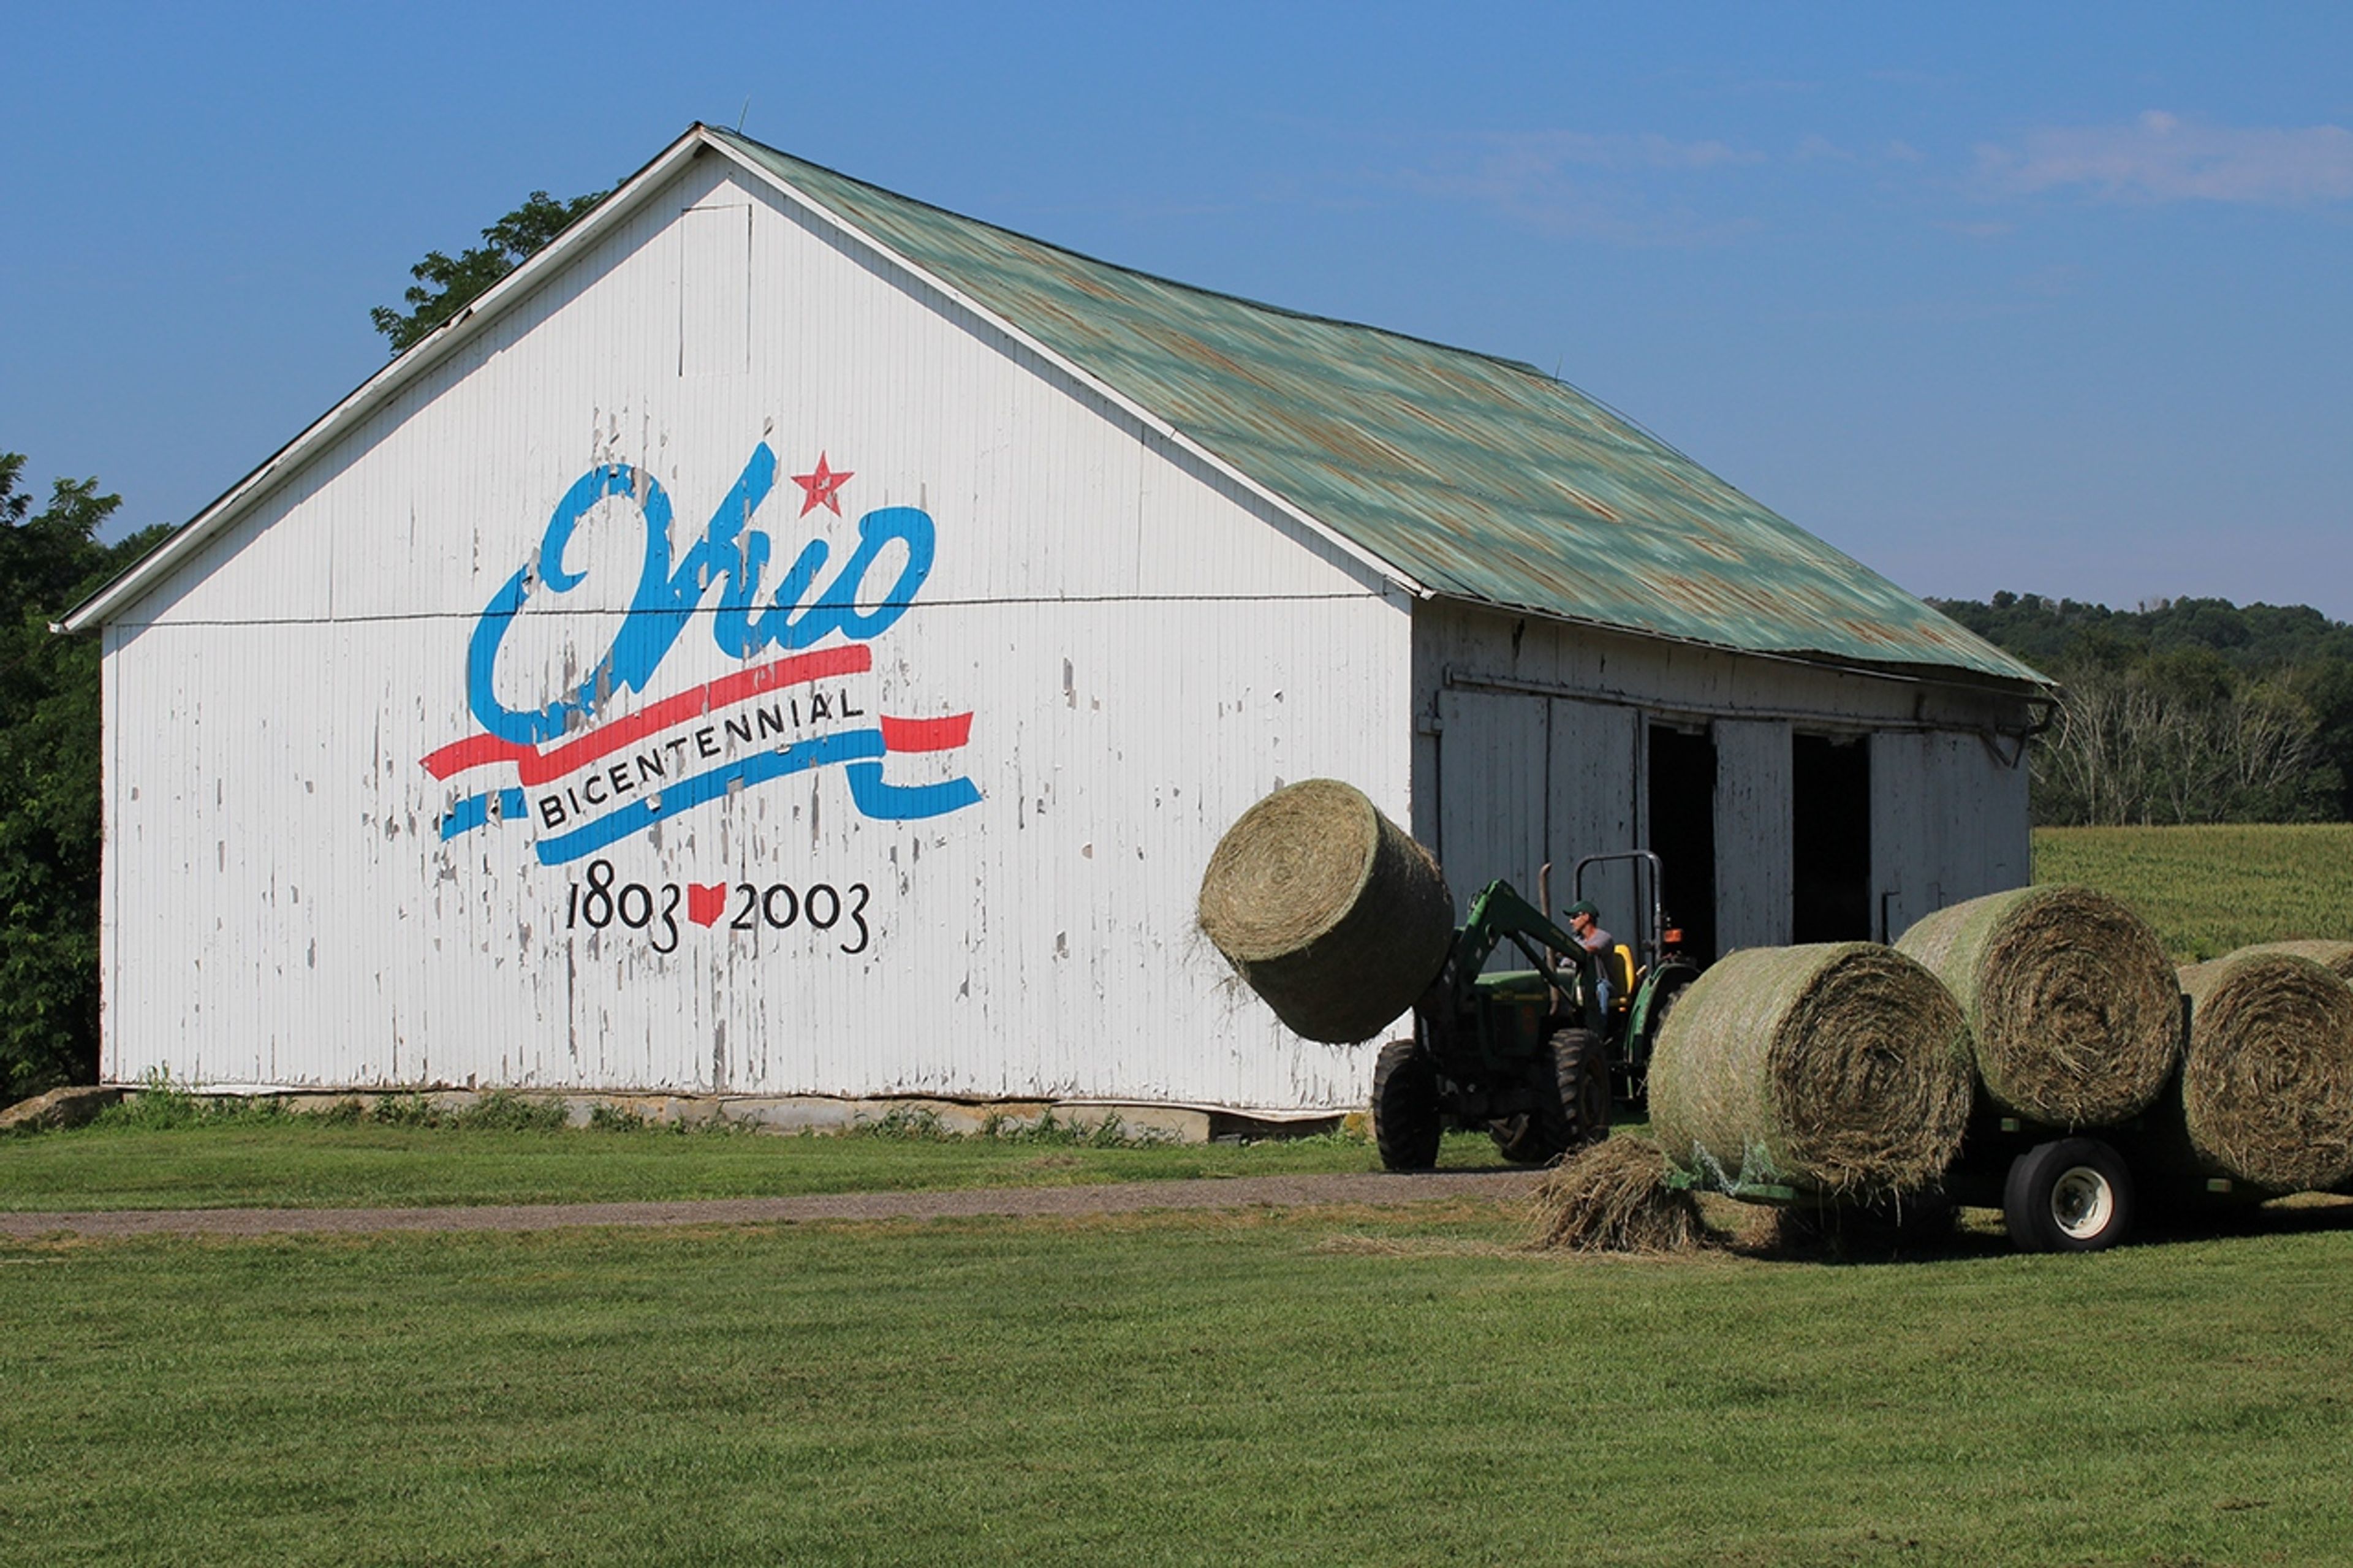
<point x="2266" y="1086"/>
<point x="2069" y="998"/>
<point x="1837" y="1068"/>
<point x="1613" y="1196"/>
<point x="1327" y="910"/>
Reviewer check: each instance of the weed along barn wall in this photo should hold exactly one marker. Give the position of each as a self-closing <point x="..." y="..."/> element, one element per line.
<point x="737" y="666"/>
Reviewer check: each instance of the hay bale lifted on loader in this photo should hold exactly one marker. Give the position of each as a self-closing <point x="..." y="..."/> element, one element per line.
<point x="1327" y="910"/>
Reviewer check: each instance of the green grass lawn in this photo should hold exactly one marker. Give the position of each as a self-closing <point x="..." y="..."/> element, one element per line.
<point x="2210" y="889"/>
<point x="1314" y="1386"/>
<point x="306" y="1161"/>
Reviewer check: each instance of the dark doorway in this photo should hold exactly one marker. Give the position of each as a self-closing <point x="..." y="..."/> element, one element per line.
<point x="1830" y="838"/>
<point x="1682" y="833"/>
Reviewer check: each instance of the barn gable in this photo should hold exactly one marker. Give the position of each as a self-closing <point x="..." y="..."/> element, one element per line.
<point x="531" y="632"/>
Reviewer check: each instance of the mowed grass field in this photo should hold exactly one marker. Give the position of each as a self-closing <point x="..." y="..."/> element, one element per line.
<point x="1316" y="1386"/>
<point x="1408" y="1385"/>
<point x="305" y="1161"/>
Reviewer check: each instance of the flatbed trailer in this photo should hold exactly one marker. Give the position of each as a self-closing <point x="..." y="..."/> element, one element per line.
<point x="2058" y="1191"/>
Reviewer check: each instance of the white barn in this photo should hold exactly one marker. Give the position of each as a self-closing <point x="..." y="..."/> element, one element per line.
<point x="788" y="640"/>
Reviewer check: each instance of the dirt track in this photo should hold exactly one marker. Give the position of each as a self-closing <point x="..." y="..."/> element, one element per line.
<point x="1124" y="1198"/>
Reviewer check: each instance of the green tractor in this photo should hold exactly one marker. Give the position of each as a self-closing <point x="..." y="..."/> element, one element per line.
<point x="1535" y="1055"/>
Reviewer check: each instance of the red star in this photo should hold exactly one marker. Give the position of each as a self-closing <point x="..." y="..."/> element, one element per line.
<point x="821" y="485"/>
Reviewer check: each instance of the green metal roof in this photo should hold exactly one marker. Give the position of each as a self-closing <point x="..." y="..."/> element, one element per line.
<point x="1479" y="477"/>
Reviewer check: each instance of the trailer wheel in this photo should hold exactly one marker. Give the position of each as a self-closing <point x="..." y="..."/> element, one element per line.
<point x="1404" y="1108"/>
<point x="2071" y="1195"/>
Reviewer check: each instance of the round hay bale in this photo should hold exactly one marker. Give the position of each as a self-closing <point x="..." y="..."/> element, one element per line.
<point x="1612" y="1196"/>
<point x="2071" y="1001"/>
<point x="2335" y="955"/>
<point x="2267" y="1082"/>
<point x="1840" y="1068"/>
<point x="1329" y="911"/>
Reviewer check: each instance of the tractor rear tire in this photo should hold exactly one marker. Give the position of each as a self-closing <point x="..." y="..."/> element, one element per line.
<point x="2075" y="1195"/>
<point x="1404" y="1108"/>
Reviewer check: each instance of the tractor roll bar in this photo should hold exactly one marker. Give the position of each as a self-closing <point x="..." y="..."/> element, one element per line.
<point x="1652" y="937"/>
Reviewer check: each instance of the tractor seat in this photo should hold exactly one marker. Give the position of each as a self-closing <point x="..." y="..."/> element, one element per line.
<point x="1618" y="964"/>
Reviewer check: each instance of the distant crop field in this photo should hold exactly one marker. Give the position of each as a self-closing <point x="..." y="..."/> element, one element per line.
<point x="2210" y="889"/>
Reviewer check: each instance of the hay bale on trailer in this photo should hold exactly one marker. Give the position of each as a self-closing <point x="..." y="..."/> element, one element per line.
<point x="2071" y="1001"/>
<point x="2335" y="955"/>
<point x="1839" y="1069"/>
<point x="2266" y="1092"/>
<point x="1327" y="910"/>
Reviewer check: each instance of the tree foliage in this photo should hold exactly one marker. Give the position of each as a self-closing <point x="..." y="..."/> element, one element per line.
<point x="2188" y="711"/>
<point x="446" y="284"/>
<point x="50" y="815"/>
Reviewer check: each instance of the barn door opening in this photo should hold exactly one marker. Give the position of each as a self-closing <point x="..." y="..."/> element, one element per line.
<point x="1683" y="831"/>
<point x="1830" y="838"/>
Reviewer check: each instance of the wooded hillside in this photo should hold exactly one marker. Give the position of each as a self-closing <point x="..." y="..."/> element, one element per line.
<point x="2186" y="710"/>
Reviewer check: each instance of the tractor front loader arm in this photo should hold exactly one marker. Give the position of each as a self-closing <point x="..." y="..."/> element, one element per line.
<point x="1499" y="915"/>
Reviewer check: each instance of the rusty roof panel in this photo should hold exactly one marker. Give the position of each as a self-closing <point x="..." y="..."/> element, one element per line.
<point x="1482" y="479"/>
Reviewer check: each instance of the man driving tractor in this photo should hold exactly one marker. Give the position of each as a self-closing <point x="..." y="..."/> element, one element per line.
<point x="1585" y="924"/>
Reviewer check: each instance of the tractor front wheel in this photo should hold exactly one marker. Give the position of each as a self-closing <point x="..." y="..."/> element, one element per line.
<point x="1404" y="1108"/>
<point x="1581" y="1071"/>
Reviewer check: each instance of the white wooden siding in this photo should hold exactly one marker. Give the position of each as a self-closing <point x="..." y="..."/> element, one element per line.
<point x="1948" y="817"/>
<point x="1948" y="823"/>
<point x="1754" y="871"/>
<point x="1527" y="780"/>
<point x="1595" y="807"/>
<point x="714" y="288"/>
<point x="1496" y="751"/>
<point x="1143" y="648"/>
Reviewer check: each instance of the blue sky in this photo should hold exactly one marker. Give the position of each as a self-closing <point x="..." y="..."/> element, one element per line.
<point x="2051" y="299"/>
